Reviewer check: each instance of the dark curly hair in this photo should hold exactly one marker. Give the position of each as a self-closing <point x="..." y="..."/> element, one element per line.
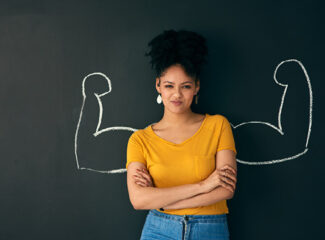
<point x="182" y="47"/>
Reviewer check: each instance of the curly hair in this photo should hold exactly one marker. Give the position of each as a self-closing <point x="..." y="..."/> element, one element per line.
<point x="182" y="47"/>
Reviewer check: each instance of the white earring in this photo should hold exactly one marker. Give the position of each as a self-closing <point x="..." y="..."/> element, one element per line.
<point x="159" y="99"/>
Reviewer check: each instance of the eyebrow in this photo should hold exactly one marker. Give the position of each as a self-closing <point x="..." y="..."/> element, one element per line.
<point x="182" y="83"/>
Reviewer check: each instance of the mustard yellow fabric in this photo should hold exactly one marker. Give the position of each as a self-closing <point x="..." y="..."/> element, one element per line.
<point x="191" y="161"/>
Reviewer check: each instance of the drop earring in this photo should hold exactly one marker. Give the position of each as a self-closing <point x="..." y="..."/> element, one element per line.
<point x="196" y="98"/>
<point x="159" y="99"/>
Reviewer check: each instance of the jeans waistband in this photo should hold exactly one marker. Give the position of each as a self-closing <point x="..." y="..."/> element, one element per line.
<point x="195" y="218"/>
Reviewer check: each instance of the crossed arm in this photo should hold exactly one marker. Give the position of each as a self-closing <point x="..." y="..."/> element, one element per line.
<point x="184" y="196"/>
<point x="203" y="199"/>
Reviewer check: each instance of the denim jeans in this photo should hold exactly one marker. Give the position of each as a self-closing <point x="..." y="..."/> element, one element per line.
<point x="163" y="226"/>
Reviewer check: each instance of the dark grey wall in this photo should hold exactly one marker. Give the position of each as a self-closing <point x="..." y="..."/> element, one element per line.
<point x="48" y="48"/>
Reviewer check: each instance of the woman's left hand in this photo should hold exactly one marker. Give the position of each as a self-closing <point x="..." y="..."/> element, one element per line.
<point x="143" y="178"/>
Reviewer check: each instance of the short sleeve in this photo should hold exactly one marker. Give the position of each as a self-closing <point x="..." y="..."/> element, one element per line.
<point x="134" y="152"/>
<point x="226" y="139"/>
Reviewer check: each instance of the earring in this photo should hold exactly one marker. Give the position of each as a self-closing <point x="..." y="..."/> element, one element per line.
<point x="196" y="98"/>
<point x="159" y="99"/>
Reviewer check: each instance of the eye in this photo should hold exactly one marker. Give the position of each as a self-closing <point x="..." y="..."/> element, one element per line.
<point x="187" y="86"/>
<point x="167" y="86"/>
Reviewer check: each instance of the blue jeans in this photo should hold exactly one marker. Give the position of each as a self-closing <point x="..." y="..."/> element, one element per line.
<point x="163" y="226"/>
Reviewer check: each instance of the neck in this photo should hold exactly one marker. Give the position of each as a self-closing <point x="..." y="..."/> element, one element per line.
<point x="177" y="119"/>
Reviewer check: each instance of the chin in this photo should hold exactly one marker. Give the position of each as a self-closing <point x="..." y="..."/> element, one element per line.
<point x="177" y="110"/>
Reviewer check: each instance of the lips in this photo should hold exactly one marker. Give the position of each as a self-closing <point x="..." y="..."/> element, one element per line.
<point x="176" y="102"/>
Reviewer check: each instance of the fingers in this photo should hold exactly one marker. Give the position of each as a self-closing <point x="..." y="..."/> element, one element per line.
<point x="227" y="186"/>
<point x="228" y="178"/>
<point x="140" y="183"/>
<point x="229" y="168"/>
<point x="139" y="179"/>
<point x="144" y="174"/>
<point x="229" y="175"/>
<point x="143" y="178"/>
<point x="229" y="183"/>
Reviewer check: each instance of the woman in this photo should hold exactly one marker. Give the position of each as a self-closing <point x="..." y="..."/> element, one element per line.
<point x="182" y="168"/>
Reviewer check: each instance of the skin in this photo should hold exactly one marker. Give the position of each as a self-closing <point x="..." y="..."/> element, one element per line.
<point x="226" y="177"/>
<point x="176" y="85"/>
<point x="179" y="123"/>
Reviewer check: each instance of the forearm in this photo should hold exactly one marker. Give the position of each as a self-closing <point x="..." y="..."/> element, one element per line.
<point x="153" y="197"/>
<point x="203" y="199"/>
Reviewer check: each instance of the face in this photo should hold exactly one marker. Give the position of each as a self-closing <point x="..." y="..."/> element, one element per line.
<point x="177" y="89"/>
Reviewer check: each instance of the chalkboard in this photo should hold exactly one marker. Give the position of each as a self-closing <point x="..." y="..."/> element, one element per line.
<point x="75" y="84"/>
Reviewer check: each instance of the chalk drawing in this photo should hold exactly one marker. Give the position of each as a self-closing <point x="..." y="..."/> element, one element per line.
<point x="97" y="132"/>
<point x="118" y="128"/>
<point x="279" y="127"/>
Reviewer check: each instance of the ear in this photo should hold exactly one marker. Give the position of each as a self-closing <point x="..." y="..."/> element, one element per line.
<point x="197" y="86"/>
<point x="157" y="86"/>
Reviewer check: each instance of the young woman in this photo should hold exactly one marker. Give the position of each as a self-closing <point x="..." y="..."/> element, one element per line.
<point x="182" y="168"/>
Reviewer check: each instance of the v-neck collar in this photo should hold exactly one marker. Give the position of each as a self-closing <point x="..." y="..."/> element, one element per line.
<point x="185" y="141"/>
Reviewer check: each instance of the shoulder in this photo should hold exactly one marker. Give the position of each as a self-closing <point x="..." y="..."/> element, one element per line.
<point x="137" y="134"/>
<point x="140" y="136"/>
<point x="220" y="121"/>
<point x="219" y="118"/>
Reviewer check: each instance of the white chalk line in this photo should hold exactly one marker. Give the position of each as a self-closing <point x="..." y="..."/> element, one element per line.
<point x="279" y="127"/>
<point x="118" y="128"/>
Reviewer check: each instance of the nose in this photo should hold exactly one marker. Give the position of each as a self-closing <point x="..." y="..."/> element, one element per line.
<point x="178" y="92"/>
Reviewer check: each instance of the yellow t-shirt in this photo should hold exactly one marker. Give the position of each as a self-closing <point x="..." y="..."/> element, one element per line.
<point x="191" y="161"/>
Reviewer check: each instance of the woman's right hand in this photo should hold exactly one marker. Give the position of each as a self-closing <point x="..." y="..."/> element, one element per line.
<point x="223" y="177"/>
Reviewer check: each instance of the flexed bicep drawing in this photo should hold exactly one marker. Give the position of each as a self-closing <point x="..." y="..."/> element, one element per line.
<point x="97" y="130"/>
<point x="274" y="140"/>
<point x="278" y="132"/>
